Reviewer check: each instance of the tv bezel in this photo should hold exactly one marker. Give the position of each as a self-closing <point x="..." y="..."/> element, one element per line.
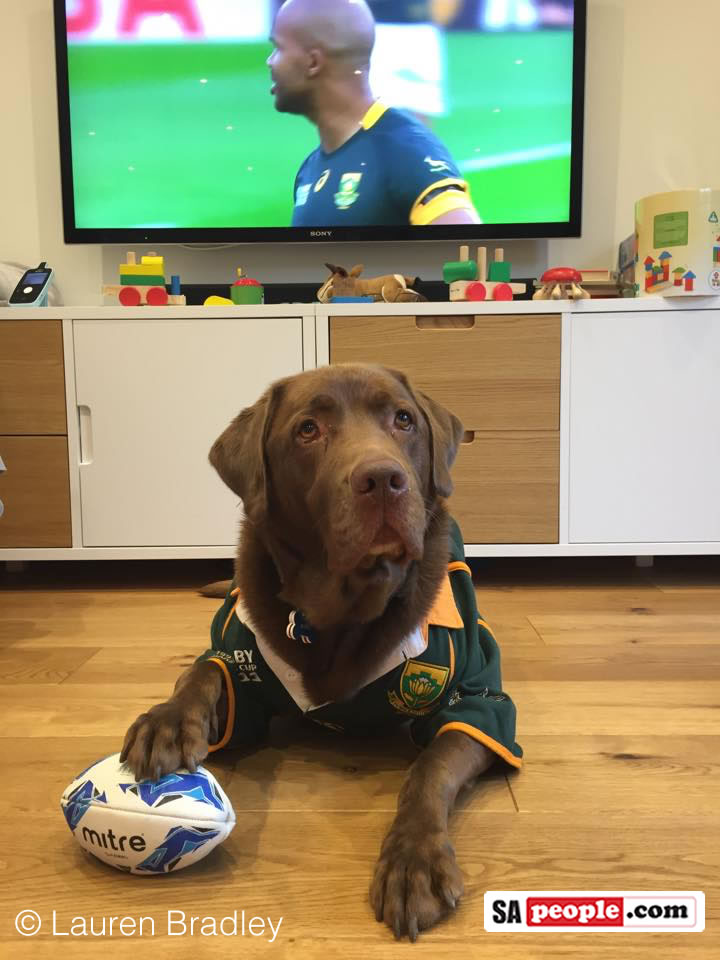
<point x="330" y="234"/>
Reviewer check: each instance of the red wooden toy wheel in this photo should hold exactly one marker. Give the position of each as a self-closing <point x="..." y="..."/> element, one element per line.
<point x="503" y="291"/>
<point x="129" y="297"/>
<point x="475" y="291"/>
<point x="157" y="297"/>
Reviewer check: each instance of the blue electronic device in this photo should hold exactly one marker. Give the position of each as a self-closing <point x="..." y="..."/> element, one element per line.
<point x="32" y="290"/>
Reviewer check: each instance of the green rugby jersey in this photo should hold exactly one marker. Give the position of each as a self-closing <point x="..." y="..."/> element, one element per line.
<point x="445" y="677"/>
<point x="394" y="170"/>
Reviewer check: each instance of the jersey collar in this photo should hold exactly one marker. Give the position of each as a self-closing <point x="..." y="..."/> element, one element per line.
<point x="291" y="679"/>
<point x="373" y="115"/>
<point x="443" y="613"/>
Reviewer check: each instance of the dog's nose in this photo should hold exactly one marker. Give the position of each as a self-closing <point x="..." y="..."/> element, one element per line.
<point x="379" y="477"/>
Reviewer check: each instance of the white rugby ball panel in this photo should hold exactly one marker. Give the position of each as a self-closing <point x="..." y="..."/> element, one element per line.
<point x="148" y="827"/>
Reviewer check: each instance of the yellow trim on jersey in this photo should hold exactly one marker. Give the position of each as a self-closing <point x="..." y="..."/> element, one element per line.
<point x="231" y="705"/>
<point x="229" y="617"/>
<point x="482" y="623"/>
<point x="483" y="738"/>
<point x="459" y="565"/>
<point x="438" y="185"/>
<point x="424" y="213"/>
<point x="373" y="115"/>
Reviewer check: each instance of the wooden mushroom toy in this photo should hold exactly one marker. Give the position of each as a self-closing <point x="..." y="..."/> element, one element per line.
<point x="561" y="283"/>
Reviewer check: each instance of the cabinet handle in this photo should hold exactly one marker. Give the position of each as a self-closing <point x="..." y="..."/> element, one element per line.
<point x="3" y="469"/>
<point x="86" y="438"/>
<point x="459" y="322"/>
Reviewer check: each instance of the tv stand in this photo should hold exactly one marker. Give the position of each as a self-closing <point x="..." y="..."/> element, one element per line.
<point x="591" y="427"/>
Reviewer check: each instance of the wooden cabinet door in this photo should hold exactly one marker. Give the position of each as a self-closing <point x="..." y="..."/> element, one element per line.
<point x="32" y="378"/>
<point x="497" y="372"/>
<point x="507" y="487"/>
<point x="35" y="492"/>
<point x="501" y="376"/>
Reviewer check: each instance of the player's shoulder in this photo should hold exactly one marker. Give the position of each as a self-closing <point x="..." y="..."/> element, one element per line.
<point x="396" y="122"/>
<point x="411" y="138"/>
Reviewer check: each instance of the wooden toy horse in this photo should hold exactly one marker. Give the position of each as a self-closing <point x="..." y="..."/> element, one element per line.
<point x="391" y="288"/>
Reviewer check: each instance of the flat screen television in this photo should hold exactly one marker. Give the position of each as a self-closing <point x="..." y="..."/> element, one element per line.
<point x="172" y="128"/>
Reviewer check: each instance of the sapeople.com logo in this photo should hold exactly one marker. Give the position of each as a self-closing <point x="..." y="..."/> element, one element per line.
<point x="679" y="911"/>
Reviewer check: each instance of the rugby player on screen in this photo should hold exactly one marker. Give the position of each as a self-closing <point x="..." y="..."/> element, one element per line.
<point x="375" y="165"/>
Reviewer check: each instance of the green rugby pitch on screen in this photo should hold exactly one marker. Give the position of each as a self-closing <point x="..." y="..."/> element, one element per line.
<point x="186" y="135"/>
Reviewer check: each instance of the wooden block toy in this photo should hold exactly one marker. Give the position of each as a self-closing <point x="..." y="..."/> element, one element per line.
<point x="503" y="291"/>
<point x="459" y="270"/>
<point x="482" y="263"/>
<point x="140" y="269"/>
<point x="135" y="296"/>
<point x="481" y="287"/>
<point x="500" y="269"/>
<point x="130" y="297"/>
<point x="462" y="269"/>
<point x="215" y="301"/>
<point x="139" y="279"/>
<point x="500" y="272"/>
<point x="245" y="290"/>
<point x="477" y="290"/>
<point x="156" y="297"/>
<point x="144" y="283"/>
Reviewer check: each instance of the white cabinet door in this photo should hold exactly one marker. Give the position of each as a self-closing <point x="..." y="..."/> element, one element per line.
<point x="645" y="427"/>
<point x="152" y="397"/>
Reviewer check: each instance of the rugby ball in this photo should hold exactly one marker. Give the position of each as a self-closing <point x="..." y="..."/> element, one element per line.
<point x="150" y="827"/>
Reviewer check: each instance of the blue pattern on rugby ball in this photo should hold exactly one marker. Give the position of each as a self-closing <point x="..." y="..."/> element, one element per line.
<point x="78" y="802"/>
<point x="155" y="793"/>
<point x="178" y="842"/>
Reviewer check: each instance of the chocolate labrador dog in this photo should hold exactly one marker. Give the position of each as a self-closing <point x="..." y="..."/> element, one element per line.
<point x="350" y="573"/>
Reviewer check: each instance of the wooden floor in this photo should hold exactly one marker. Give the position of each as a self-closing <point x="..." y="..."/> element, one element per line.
<point x="616" y="675"/>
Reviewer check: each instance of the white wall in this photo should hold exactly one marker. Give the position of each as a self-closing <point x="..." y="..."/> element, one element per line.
<point x="639" y="54"/>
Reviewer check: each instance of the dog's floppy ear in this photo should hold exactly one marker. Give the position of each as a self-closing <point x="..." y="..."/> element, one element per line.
<point x="446" y="432"/>
<point x="238" y="454"/>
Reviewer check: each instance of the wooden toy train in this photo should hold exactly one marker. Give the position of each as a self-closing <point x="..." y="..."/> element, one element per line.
<point x="144" y="283"/>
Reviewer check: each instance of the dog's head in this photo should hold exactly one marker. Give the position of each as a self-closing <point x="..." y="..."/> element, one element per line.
<point x="340" y="468"/>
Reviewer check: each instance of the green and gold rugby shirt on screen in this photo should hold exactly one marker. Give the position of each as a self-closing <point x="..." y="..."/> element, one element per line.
<point x="394" y="170"/>
<point x="445" y="677"/>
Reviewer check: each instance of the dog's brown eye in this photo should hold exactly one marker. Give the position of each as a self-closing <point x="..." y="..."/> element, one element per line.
<point x="403" y="419"/>
<point x="308" y="429"/>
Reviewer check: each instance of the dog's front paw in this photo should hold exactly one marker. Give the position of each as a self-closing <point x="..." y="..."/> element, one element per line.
<point x="417" y="880"/>
<point x="167" y="737"/>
